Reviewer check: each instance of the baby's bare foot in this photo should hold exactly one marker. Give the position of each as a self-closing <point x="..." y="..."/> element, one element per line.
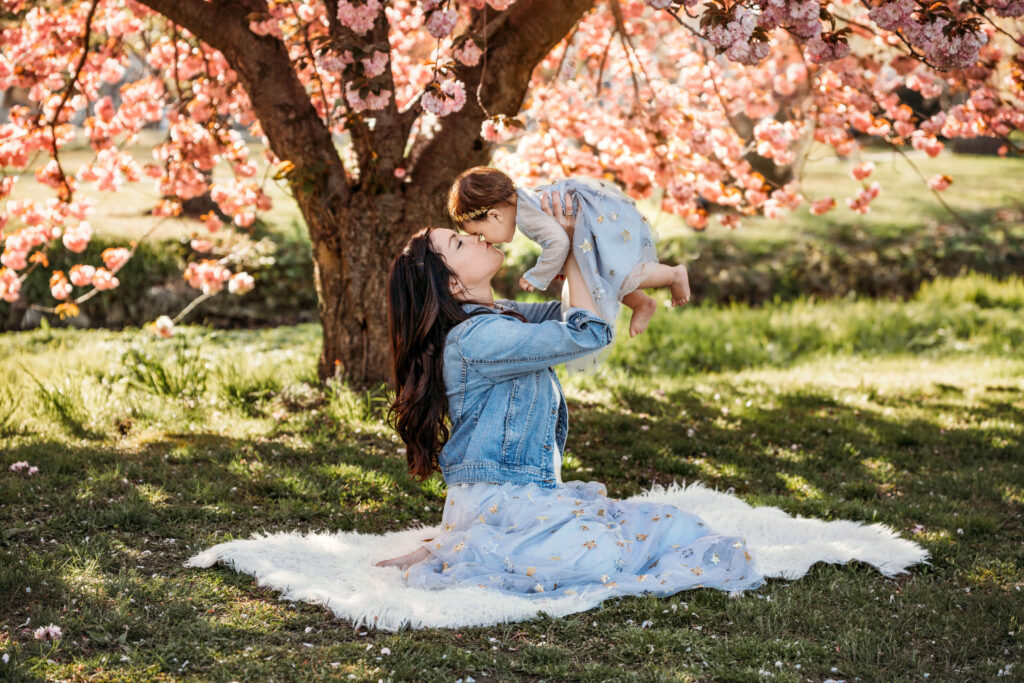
<point x="680" y="287"/>
<point x="643" y="310"/>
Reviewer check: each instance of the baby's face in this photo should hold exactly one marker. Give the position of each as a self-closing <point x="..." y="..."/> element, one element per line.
<point x="495" y="227"/>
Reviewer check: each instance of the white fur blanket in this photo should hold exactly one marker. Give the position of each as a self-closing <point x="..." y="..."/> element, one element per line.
<point x="336" y="570"/>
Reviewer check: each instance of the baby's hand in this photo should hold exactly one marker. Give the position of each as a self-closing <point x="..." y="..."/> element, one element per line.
<point x="525" y="285"/>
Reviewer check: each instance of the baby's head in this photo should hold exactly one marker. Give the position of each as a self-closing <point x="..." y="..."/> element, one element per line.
<point x="483" y="202"/>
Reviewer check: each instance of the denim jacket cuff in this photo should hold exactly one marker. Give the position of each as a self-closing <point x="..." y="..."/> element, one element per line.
<point x="579" y="317"/>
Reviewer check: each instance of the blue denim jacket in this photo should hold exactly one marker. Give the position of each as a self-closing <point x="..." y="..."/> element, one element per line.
<point x="505" y="402"/>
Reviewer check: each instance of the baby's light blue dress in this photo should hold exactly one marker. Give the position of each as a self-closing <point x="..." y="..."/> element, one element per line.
<point x="613" y="244"/>
<point x="574" y="539"/>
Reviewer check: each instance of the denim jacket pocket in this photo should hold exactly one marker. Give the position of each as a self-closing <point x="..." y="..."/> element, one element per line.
<point x="520" y="418"/>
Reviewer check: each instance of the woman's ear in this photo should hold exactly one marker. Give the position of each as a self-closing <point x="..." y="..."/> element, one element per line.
<point x="456" y="288"/>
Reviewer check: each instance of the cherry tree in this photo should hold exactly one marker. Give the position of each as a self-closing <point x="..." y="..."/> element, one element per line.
<point x="369" y="108"/>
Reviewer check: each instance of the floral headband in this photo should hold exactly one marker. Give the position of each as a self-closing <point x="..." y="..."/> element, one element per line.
<point x="470" y="215"/>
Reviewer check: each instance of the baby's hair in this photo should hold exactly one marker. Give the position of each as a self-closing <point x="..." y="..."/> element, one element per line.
<point x="478" y="190"/>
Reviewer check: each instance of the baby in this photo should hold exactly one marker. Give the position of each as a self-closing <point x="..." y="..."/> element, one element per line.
<point x="612" y="242"/>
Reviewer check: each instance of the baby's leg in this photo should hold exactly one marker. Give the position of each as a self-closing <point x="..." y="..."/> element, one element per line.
<point x="673" y="277"/>
<point x="643" y="307"/>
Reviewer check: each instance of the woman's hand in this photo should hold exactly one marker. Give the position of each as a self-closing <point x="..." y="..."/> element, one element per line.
<point x="565" y="217"/>
<point x="407" y="560"/>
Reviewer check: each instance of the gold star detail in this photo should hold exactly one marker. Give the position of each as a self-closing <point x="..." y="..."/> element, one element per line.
<point x="656" y="518"/>
<point x="614" y="216"/>
<point x="542" y="517"/>
<point x="448" y="526"/>
<point x="539" y="588"/>
<point x="697" y="570"/>
<point x="715" y="558"/>
<point x="604" y="578"/>
<point x="590" y="544"/>
<point x="460" y="546"/>
<point x="600" y="512"/>
<point x="481" y="518"/>
<point x="587" y="246"/>
<point x="578" y="512"/>
<point x="493" y="509"/>
<point x="600" y="219"/>
<point x="641" y="537"/>
<point x="737" y="544"/>
<point x="641" y="577"/>
<point x="556" y="558"/>
<point x="530" y="571"/>
<point x="444" y="566"/>
<point x="747" y="555"/>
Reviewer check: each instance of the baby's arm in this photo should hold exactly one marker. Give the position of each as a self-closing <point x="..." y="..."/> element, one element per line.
<point x="554" y="243"/>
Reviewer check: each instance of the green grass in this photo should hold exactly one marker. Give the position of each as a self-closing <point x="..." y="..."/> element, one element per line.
<point x="910" y="414"/>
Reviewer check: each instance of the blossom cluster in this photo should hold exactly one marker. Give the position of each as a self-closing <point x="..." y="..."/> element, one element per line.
<point x="48" y="632"/>
<point x="23" y="466"/>
<point x="945" y="42"/>
<point x="358" y="16"/>
<point x="446" y="98"/>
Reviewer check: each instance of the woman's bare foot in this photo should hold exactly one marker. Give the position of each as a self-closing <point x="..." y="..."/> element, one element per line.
<point x="680" y="286"/>
<point x="644" y="307"/>
<point x="405" y="561"/>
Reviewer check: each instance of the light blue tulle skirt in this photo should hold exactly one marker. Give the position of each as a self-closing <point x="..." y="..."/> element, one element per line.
<point x="574" y="539"/>
<point x="614" y="247"/>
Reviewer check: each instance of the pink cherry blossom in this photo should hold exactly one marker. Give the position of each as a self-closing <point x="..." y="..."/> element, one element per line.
<point x="441" y="22"/>
<point x="60" y="288"/>
<point x="163" y="327"/>
<point x="373" y="100"/>
<point x="862" y="202"/>
<point x="375" y="64"/>
<point x="862" y="170"/>
<point x="77" y="238"/>
<point x="23" y="466"/>
<point x="940" y="182"/>
<point x="358" y="17"/>
<point x="103" y="279"/>
<point x="468" y="53"/>
<point x="207" y="275"/>
<point x="10" y="285"/>
<point x="449" y="98"/>
<point x="240" y="283"/>
<point x="201" y="246"/>
<point x="823" y="205"/>
<point x="115" y="257"/>
<point x="48" y="632"/>
<point x="81" y="275"/>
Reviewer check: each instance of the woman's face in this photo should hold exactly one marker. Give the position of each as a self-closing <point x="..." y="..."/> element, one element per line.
<point x="473" y="261"/>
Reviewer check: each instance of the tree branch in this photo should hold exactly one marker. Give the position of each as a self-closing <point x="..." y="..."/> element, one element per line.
<point x="279" y="99"/>
<point x="529" y="30"/>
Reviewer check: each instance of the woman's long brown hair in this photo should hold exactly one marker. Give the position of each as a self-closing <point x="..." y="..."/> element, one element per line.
<point x="421" y="312"/>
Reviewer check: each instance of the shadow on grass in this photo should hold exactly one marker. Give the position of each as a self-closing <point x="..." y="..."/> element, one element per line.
<point x="815" y="456"/>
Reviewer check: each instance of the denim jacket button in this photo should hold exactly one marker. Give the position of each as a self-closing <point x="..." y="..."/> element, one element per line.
<point x="547" y="447"/>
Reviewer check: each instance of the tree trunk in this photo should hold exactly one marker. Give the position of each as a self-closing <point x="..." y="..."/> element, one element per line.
<point x="356" y="226"/>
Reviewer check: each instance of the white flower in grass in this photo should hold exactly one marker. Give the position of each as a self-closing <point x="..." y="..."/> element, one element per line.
<point x="48" y="632"/>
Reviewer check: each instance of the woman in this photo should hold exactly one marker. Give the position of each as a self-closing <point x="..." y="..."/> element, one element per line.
<point x="510" y="522"/>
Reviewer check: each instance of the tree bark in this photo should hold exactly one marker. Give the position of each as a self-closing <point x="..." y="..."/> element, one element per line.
<point x="356" y="227"/>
